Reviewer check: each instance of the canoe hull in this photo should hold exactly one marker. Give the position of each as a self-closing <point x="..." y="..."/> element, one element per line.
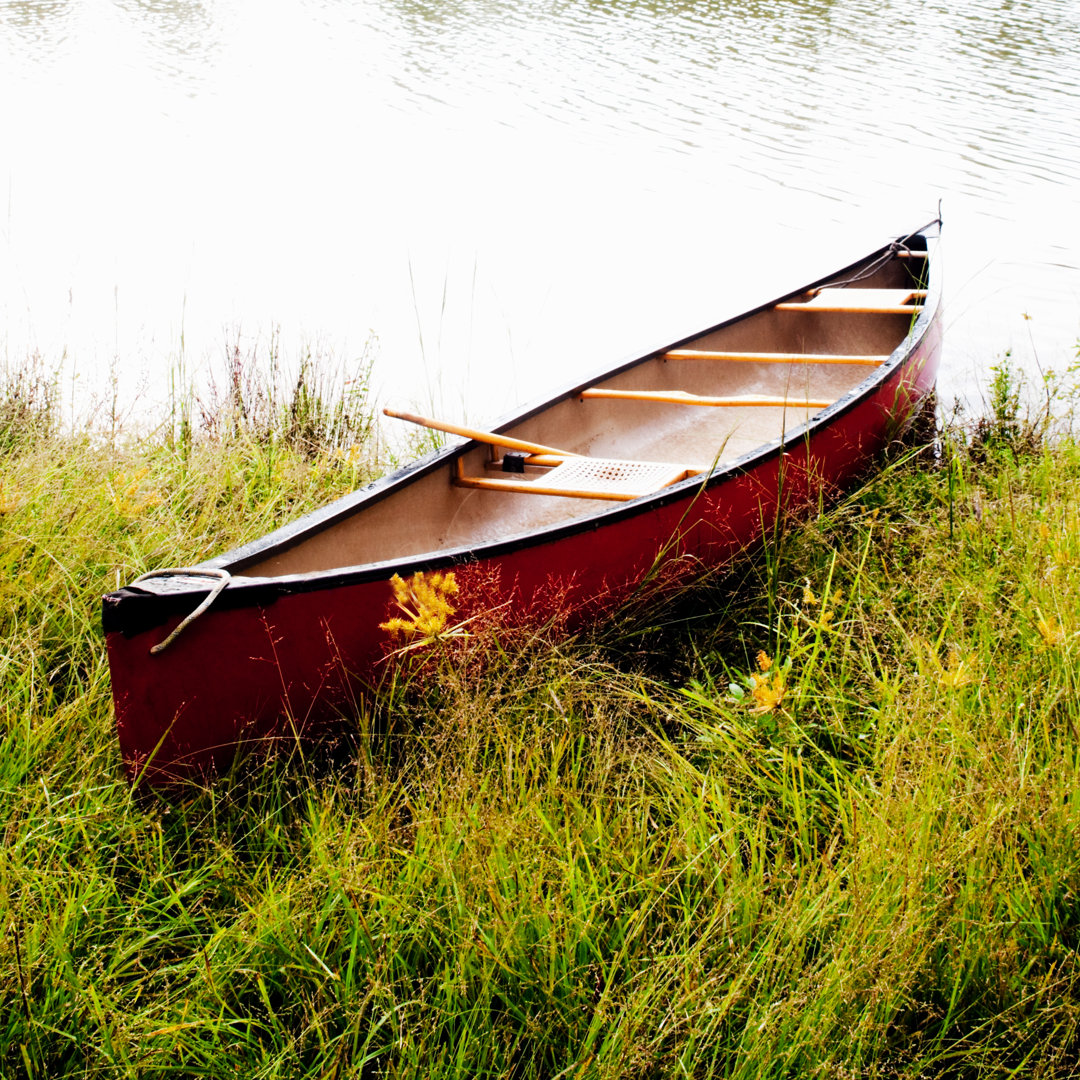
<point x="280" y="659"/>
<point x="279" y="670"/>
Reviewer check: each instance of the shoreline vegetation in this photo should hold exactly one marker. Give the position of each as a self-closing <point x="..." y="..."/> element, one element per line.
<point x="818" y="819"/>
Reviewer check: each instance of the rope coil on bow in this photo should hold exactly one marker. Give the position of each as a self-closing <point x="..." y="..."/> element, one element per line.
<point x="223" y="576"/>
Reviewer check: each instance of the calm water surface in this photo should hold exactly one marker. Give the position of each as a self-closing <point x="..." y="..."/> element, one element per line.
<point x="508" y="194"/>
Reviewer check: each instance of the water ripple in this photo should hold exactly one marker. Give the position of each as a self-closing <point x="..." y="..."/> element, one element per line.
<point x="489" y="116"/>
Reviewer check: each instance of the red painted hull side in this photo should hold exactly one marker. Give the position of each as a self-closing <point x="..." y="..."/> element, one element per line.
<point x="274" y="672"/>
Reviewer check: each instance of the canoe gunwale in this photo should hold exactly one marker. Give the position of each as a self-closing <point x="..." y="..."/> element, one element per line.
<point x="135" y="609"/>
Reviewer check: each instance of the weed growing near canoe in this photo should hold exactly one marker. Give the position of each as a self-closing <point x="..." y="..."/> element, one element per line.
<point x="319" y="408"/>
<point x="566" y="859"/>
<point x="1018" y="416"/>
<point x="29" y="404"/>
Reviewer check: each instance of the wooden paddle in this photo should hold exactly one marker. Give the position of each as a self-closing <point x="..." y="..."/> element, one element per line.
<point x="484" y="436"/>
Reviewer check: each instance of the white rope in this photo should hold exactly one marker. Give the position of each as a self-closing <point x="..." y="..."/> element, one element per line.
<point x="223" y="576"/>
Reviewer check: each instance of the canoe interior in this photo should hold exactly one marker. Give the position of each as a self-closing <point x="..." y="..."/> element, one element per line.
<point x="430" y="513"/>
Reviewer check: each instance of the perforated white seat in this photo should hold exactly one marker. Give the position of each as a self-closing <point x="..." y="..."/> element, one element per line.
<point x="609" y="475"/>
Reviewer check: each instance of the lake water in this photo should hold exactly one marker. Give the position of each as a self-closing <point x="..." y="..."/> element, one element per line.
<point x="507" y="195"/>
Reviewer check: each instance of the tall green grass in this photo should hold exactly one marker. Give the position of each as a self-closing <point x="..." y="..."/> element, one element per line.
<point x="651" y="852"/>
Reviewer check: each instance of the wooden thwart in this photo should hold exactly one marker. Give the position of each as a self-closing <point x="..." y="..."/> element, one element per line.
<point x="860" y="302"/>
<point x="775" y="358"/>
<point x="681" y="397"/>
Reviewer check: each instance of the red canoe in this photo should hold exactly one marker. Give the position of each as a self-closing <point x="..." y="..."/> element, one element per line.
<point x="688" y="451"/>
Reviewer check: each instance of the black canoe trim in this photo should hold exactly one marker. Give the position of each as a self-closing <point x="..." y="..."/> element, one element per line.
<point x="135" y="609"/>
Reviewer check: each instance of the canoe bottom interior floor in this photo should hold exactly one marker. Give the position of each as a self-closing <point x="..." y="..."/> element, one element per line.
<point x="705" y="402"/>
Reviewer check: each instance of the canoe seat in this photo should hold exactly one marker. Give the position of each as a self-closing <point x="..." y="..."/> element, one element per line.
<point x="860" y="301"/>
<point x="587" y="478"/>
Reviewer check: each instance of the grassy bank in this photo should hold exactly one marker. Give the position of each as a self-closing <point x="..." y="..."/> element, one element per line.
<point x="821" y="821"/>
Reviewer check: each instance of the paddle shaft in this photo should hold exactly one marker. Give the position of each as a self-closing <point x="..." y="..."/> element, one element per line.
<point x="479" y="436"/>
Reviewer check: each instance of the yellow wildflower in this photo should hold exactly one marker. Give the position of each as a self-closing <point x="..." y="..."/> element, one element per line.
<point x="767" y="687"/>
<point x="1050" y="630"/>
<point x="828" y="602"/>
<point x="126" y="495"/>
<point x="423" y="600"/>
<point x="768" y="692"/>
<point x="350" y="456"/>
<point x="9" y="498"/>
<point x="955" y="672"/>
<point x="834" y="601"/>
